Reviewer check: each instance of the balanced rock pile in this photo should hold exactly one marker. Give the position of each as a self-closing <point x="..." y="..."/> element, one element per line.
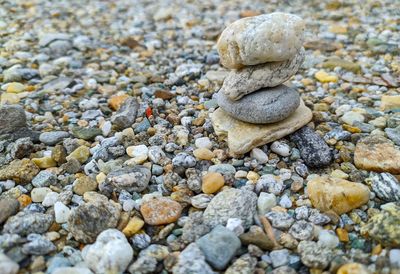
<point x="255" y="107"/>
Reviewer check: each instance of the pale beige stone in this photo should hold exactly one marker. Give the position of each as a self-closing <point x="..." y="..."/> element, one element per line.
<point x="376" y="153"/>
<point x="390" y="102"/>
<point x="265" y="38"/>
<point x="243" y="137"/>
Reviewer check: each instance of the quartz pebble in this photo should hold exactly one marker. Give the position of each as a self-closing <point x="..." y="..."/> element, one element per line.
<point x="212" y="182"/>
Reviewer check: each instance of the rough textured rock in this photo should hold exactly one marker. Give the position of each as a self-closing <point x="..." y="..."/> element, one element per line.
<point x="26" y="222"/>
<point x="87" y="220"/>
<point x="20" y="171"/>
<point x="313" y="149"/>
<point x="384" y="226"/>
<point x="264" y="106"/>
<point x="191" y="260"/>
<point x="160" y="211"/>
<point x="314" y="255"/>
<point x="219" y="246"/>
<point x="12" y="118"/>
<point x="231" y="203"/>
<point x="376" y="153"/>
<point x="259" y="39"/>
<point x="111" y="253"/>
<point x="128" y="178"/>
<point x="249" y="79"/>
<point x="339" y="195"/>
<point x="243" y="137"/>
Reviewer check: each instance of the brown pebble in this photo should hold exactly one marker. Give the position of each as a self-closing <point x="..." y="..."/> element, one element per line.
<point x="160" y="211"/>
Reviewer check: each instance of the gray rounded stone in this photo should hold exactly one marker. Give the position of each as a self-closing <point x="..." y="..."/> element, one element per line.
<point x="267" y="105"/>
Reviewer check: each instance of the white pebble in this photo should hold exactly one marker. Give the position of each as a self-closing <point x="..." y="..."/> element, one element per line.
<point x="328" y="239"/>
<point x="394" y="258"/>
<point x="265" y="202"/>
<point x="351" y="117"/>
<point x="280" y="148"/>
<point x="50" y="199"/>
<point x="285" y="202"/>
<point x="139" y="153"/>
<point x="61" y="212"/>
<point x="106" y="128"/>
<point x="39" y="193"/>
<point x="259" y="155"/>
<point x="203" y="142"/>
<point x="235" y="225"/>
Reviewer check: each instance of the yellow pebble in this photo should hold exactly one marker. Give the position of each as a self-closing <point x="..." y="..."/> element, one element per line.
<point x="101" y="177"/>
<point x="337" y="173"/>
<point x="252" y="176"/>
<point x="352" y="268"/>
<point x="338" y="29"/>
<point x="203" y="154"/>
<point x="82" y="153"/>
<point x="212" y="182"/>
<point x="342" y="235"/>
<point x="376" y="250"/>
<point x="351" y="128"/>
<point x="24" y="200"/>
<point x="390" y="102"/>
<point x="133" y="226"/>
<point x="9" y="98"/>
<point x="324" y="77"/>
<point x="44" y="162"/>
<point x="15" y="87"/>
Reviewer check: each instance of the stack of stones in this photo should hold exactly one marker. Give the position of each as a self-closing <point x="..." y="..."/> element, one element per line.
<point x="262" y="52"/>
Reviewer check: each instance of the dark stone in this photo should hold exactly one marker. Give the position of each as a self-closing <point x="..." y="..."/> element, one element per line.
<point x="126" y="115"/>
<point x="8" y="207"/>
<point x="12" y="118"/>
<point x="313" y="149"/>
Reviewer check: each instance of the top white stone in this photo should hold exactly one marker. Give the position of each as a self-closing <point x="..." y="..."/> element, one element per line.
<point x="265" y="38"/>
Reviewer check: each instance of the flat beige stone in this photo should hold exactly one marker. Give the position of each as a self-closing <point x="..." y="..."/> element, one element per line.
<point x="243" y="137"/>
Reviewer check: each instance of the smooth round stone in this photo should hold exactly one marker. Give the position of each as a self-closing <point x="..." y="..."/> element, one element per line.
<point x="268" y="105"/>
<point x="265" y="38"/>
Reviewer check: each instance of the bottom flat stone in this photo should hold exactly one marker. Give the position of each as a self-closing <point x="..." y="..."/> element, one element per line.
<point x="243" y="137"/>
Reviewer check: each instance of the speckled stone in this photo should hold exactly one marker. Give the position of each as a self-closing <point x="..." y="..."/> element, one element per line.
<point x="265" y="38"/>
<point x="264" y="106"/>
<point x="231" y="203"/>
<point x="160" y="211"/>
<point x="88" y="220"/>
<point x="385" y="186"/>
<point x="249" y="79"/>
<point x="384" y="226"/>
<point x="313" y="149"/>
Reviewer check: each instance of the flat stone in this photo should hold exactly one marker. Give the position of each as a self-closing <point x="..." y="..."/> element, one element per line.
<point x="243" y="137"/>
<point x="219" y="246"/>
<point x="339" y="195"/>
<point x="267" y="105"/>
<point x="333" y="62"/>
<point x="376" y="153"/>
<point x="131" y="179"/>
<point x="26" y="222"/>
<point x="231" y="203"/>
<point x="53" y="137"/>
<point x="249" y="79"/>
<point x="313" y="149"/>
<point x="265" y="38"/>
<point x="12" y="118"/>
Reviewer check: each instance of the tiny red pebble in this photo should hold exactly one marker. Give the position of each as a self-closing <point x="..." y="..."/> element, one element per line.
<point x="149" y="112"/>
